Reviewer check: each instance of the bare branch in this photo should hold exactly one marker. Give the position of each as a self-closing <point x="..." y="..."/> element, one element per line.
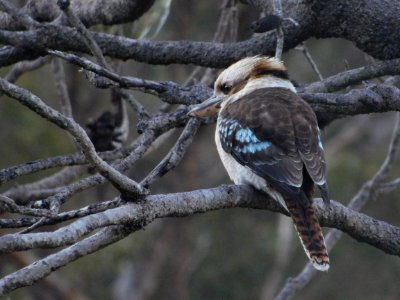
<point x="303" y="48"/>
<point x="167" y="91"/>
<point x="59" y="75"/>
<point x="61" y="217"/>
<point x="85" y="33"/>
<point x="89" y="12"/>
<point x="14" y="208"/>
<point x="280" y="37"/>
<point x="25" y="66"/>
<point x="389" y="186"/>
<point x="361" y="227"/>
<point x="45" y="187"/>
<point x="68" y="191"/>
<point x="221" y="55"/>
<point x="175" y="155"/>
<point x="152" y="129"/>
<point x="8" y="174"/>
<point x="18" y="16"/>
<point x="121" y="182"/>
<point x="38" y="270"/>
<point x="328" y="107"/>
<point x="357" y="225"/>
<point x="355" y="76"/>
<point x="374" y="98"/>
<point x="60" y="38"/>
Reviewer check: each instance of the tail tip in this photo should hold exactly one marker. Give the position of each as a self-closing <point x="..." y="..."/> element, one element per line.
<point x="321" y="265"/>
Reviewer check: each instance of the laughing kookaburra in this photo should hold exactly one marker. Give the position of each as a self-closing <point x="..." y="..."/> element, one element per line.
<point x="268" y="137"/>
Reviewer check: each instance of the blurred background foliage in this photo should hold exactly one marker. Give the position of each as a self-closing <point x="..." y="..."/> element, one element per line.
<point x="227" y="254"/>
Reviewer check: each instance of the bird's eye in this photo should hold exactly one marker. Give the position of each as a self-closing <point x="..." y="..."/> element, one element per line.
<point x="226" y="88"/>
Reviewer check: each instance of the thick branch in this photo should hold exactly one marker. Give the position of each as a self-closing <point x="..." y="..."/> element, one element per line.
<point x="354" y="76"/>
<point x="208" y="54"/>
<point x="359" y="226"/>
<point x="91" y="12"/>
<point x="316" y="19"/>
<point x="373" y="99"/>
<point x="136" y="215"/>
<point x="40" y="269"/>
<point x="372" y="25"/>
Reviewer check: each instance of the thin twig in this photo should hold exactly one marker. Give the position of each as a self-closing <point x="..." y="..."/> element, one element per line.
<point x="96" y="51"/>
<point x="14" y="208"/>
<point x="10" y="173"/>
<point x="279" y="31"/>
<point x="25" y="66"/>
<point x="303" y="48"/>
<point x="35" y="225"/>
<point x="45" y="266"/>
<point x="145" y="141"/>
<point x="62" y="88"/>
<point x="389" y="186"/>
<point x="135" y="104"/>
<point x="24" y="19"/>
<point x="120" y="181"/>
<point x="234" y="23"/>
<point x="62" y="217"/>
<point x="226" y="31"/>
<point x="154" y="128"/>
<point x="146" y="86"/>
<point x="85" y="33"/>
<point x="282" y="256"/>
<point x="175" y="155"/>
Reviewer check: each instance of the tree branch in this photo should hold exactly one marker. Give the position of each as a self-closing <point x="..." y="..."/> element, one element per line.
<point x="36" y="271"/>
<point x="359" y="226"/>
<point x="373" y="99"/>
<point x="328" y="107"/>
<point x="121" y="182"/>
<point x="89" y="12"/>
<point x="316" y="21"/>
<point x="354" y="76"/>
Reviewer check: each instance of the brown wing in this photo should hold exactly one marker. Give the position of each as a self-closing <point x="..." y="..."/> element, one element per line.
<point x="281" y="118"/>
<point x="308" y="141"/>
<point x="259" y="134"/>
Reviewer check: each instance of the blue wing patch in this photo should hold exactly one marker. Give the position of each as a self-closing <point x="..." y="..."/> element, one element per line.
<point x="226" y="127"/>
<point x="254" y="147"/>
<point x="244" y="139"/>
<point x="245" y="135"/>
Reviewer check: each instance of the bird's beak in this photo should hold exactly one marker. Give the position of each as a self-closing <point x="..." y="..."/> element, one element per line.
<point x="207" y="108"/>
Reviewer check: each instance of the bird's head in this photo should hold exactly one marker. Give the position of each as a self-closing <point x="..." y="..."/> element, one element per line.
<point x="243" y="77"/>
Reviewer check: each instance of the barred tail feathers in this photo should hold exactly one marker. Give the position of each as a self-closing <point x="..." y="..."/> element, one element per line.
<point x="310" y="233"/>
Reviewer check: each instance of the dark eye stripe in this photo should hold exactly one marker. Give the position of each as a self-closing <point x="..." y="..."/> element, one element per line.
<point x="277" y="73"/>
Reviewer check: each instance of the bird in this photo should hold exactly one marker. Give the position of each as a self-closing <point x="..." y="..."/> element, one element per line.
<point x="268" y="137"/>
